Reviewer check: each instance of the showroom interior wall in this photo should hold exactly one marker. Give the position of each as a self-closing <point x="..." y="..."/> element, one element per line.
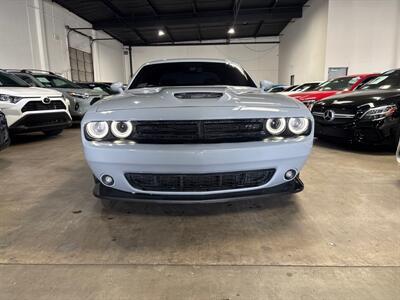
<point x="363" y="35"/>
<point x="303" y="45"/>
<point x="33" y="35"/>
<point x="260" y="61"/>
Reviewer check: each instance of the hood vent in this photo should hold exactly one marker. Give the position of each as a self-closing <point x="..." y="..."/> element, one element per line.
<point x="198" y="95"/>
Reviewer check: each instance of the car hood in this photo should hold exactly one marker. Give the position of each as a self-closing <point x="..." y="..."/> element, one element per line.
<point x="215" y="96"/>
<point x="29" y="92"/>
<point x="314" y="95"/>
<point x="356" y="99"/>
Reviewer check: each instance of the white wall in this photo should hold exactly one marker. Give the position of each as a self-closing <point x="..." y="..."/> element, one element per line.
<point x="108" y="59"/>
<point x="303" y="45"/>
<point x="33" y="35"/>
<point x="260" y="61"/>
<point x="18" y="43"/>
<point x="363" y="35"/>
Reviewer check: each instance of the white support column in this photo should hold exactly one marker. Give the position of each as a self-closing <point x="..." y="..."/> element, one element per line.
<point x="39" y="33"/>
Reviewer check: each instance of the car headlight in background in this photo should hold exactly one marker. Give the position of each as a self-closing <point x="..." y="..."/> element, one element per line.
<point x="121" y="129"/>
<point x="379" y="113"/>
<point x="10" y="99"/>
<point x="97" y="130"/>
<point x="298" y="126"/>
<point x="275" y="126"/>
<point x="67" y="102"/>
<point x="79" y="95"/>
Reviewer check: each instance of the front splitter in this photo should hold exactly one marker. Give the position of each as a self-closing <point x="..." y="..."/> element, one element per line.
<point x="104" y="192"/>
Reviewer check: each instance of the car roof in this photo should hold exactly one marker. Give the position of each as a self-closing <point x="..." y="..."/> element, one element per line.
<point x="177" y="60"/>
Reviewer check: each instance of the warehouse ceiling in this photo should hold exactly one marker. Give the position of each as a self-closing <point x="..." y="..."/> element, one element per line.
<point x="150" y="22"/>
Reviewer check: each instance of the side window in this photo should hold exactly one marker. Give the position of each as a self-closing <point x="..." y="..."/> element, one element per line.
<point x="28" y="80"/>
<point x="365" y="81"/>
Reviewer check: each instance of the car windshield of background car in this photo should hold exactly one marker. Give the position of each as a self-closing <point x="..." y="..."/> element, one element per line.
<point x="339" y="84"/>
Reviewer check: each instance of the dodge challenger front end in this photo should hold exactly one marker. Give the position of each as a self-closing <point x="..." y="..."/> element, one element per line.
<point x="199" y="131"/>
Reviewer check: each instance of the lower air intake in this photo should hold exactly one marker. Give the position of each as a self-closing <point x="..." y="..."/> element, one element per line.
<point x="199" y="182"/>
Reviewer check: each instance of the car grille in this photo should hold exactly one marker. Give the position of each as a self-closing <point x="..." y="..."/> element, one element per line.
<point x="206" y="131"/>
<point x="199" y="182"/>
<point x="343" y="115"/>
<point x="34" y="120"/>
<point x="39" y="105"/>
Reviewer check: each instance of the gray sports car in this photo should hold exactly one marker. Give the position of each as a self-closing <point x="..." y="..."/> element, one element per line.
<point x="195" y="130"/>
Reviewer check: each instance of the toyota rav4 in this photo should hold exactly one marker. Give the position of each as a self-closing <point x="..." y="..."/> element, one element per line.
<point x="29" y="109"/>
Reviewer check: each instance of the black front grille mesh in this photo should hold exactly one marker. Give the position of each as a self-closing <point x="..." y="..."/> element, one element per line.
<point x="199" y="182"/>
<point x="39" y="105"/>
<point x="206" y="131"/>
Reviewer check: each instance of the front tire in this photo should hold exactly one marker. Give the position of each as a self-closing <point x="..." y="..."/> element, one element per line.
<point x="52" y="132"/>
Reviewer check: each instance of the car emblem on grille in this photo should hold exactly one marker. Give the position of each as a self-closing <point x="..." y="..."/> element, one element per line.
<point x="329" y="115"/>
<point x="46" y="100"/>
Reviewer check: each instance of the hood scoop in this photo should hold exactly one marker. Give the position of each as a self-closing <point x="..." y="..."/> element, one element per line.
<point x="198" y="95"/>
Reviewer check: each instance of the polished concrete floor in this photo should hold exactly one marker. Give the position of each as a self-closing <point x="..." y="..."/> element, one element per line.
<point x="338" y="239"/>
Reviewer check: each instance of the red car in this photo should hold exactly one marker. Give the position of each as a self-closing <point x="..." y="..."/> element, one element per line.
<point x="332" y="87"/>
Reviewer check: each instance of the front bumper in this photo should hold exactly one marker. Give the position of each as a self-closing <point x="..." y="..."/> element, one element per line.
<point x="103" y="192"/>
<point x="118" y="159"/>
<point x="371" y="133"/>
<point x="41" y="122"/>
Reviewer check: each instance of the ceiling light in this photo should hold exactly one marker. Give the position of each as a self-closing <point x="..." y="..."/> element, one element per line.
<point x="231" y="30"/>
<point x="161" y="33"/>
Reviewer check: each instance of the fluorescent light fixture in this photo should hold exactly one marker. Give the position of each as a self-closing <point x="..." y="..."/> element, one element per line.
<point x="231" y="30"/>
<point x="161" y="33"/>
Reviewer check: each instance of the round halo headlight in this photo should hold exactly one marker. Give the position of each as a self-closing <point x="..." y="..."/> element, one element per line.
<point x="121" y="129"/>
<point x="298" y="125"/>
<point x="97" y="130"/>
<point x="276" y="126"/>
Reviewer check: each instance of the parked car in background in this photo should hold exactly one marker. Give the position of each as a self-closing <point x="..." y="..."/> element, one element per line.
<point x="4" y="135"/>
<point x="277" y="88"/>
<point x="195" y="130"/>
<point x="99" y="86"/>
<point x="80" y="98"/>
<point x="29" y="109"/>
<point x="309" y="86"/>
<point x="290" y="88"/>
<point x="369" y="116"/>
<point x="332" y="87"/>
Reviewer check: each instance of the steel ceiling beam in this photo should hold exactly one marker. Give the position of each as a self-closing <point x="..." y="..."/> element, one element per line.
<point x="203" y="18"/>
<point x="121" y="17"/>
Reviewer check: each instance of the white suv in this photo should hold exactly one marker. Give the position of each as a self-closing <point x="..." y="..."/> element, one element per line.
<point x="29" y="109"/>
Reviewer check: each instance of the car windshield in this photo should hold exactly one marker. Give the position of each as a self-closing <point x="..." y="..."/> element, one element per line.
<point x="51" y="81"/>
<point x="191" y="74"/>
<point x="387" y="81"/>
<point x="10" y="80"/>
<point x="339" y="84"/>
<point x="29" y="79"/>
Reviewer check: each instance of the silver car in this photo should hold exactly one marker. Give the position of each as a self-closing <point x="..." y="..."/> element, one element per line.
<point x="80" y="98"/>
<point x="195" y="131"/>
